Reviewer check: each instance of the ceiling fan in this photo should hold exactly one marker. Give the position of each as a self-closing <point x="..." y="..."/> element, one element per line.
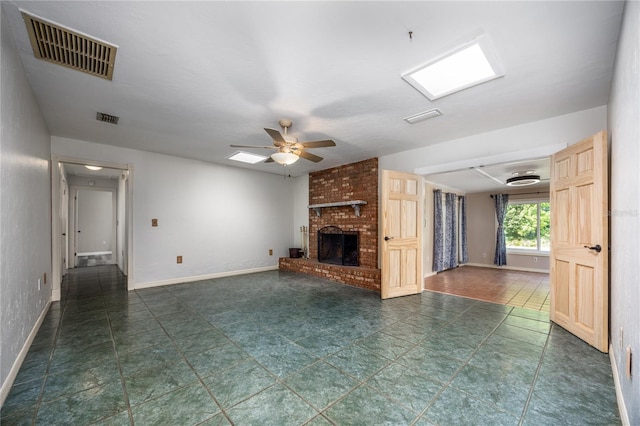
<point x="289" y="150"/>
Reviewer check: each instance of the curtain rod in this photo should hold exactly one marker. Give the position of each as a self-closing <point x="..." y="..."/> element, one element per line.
<point x="525" y="193"/>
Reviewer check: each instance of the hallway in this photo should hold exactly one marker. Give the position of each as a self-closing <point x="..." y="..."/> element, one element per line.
<point x="284" y="348"/>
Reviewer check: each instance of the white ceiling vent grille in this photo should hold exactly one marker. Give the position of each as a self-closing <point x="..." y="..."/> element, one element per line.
<point x="425" y="115"/>
<point x="54" y="43"/>
<point x="113" y="119"/>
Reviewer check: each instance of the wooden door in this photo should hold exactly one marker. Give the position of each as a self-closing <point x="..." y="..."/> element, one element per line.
<point x="579" y="240"/>
<point x="401" y="238"/>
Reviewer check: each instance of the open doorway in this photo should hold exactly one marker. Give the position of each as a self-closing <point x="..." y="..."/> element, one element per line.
<point x="524" y="280"/>
<point x="91" y="223"/>
<point x="94" y="224"/>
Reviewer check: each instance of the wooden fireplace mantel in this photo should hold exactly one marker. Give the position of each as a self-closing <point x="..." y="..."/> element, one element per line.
<point x="353" y="203"/>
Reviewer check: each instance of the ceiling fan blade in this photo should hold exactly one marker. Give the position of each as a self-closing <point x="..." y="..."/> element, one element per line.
<point x="318" y="144"/>
<point x="309" y="156"/>
<point x="275" y="135"/>
<point x="253" y="146"/>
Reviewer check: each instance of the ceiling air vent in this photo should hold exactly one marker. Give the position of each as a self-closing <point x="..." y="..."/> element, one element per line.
<point x="425" y="115"/>
<point x="54" y="43"/>
<point x="100" y="116"/>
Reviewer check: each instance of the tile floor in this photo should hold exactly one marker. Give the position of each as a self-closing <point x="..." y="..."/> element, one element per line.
<point x="288" y="349"/>
<point x="514" y="288"/>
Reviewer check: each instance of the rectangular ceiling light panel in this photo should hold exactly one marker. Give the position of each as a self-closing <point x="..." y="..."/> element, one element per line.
<point x="466" y="66"/>
<point x="55" y="43"/>
<point x="247" y="157"/>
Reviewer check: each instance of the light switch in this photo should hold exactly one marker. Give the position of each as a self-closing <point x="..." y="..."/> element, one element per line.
<point x="154" y="222"/>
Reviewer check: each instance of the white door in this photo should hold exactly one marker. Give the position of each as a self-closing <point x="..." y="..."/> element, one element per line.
<point x="64" y="225"/>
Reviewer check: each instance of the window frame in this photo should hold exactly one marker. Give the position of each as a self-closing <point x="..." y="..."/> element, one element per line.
<point x="524" y="251"/>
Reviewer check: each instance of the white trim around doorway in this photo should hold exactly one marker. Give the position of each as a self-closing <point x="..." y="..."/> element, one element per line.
<point x="56" y="231"/>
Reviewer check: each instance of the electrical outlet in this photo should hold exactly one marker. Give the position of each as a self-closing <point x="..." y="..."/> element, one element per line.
<point x="179" y="259"/>
<point x="154" y="222"/>
<point x="270" y="252"/>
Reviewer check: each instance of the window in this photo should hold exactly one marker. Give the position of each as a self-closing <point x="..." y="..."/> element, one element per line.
<point x="527" y="226"/>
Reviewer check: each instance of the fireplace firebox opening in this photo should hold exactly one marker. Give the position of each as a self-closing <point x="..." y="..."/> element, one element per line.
<point x="338" y="247"/>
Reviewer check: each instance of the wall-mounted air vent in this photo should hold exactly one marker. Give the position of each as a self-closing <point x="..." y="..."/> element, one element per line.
<point x="54" y="43"/>
<point x="100" y="116"/>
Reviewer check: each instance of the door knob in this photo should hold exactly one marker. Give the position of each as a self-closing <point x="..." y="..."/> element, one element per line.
<point x="597" y="248"/>
<point x="388" y="238"/>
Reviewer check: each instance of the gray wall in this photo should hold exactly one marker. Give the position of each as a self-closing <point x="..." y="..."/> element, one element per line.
<point x="25" y="222"/>
<point x="222" y="220"/>
<point x="481" y="231"/>
<point x="624" y="133"/>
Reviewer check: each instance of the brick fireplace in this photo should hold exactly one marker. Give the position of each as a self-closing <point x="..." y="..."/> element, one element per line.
<point x="340" y="185"/>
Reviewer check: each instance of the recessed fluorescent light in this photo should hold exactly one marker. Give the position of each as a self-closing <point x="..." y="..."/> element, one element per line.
<point x="466" y="66"/>
<point x="247" y="157"/>
<point x="424" y="115"/>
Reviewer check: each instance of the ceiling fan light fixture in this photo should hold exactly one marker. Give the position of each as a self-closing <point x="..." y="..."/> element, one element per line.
<point x="523" y="180"/>
<point x="290" y="139"/>
<point x="285" y="158"/>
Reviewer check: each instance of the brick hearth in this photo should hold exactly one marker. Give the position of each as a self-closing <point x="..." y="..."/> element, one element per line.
<point x="357" y="276"/>
<point x="356" y="181"/>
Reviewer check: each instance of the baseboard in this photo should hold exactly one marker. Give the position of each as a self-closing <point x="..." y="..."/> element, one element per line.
<point x="624" y="415"/>
<point x="15" y="368"/>
<point x="511" y="268"/>
<point x="183" y="280"/>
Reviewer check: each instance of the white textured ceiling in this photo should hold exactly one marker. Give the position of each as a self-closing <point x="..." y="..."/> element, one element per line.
<point x="193" y="77"/>
<point x="494" y="177"/>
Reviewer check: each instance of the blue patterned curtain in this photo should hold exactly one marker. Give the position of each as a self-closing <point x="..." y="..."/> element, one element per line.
<point x="445" y="231"/>
<point x="438" y="234"/>
<point x="464" y="252"/>
<point x="451" y="232"/>
<point x="501" y="201"/>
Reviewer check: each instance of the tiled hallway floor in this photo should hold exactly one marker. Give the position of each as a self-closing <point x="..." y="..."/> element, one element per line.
<point x="508" y="287"/>
<point x="287" y="349"/>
